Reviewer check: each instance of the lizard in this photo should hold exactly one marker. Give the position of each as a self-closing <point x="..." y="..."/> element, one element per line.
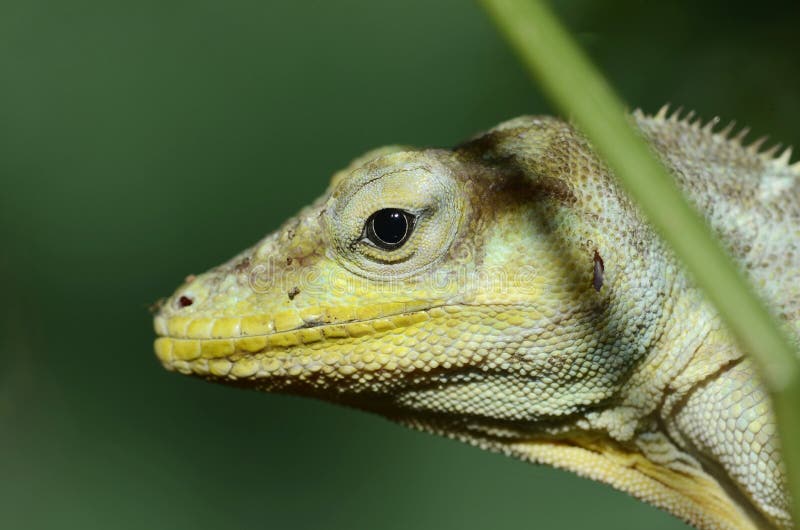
<point x="507" y="293"/>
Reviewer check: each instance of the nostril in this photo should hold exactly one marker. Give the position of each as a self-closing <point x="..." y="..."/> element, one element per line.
<point x="185" y="301"/>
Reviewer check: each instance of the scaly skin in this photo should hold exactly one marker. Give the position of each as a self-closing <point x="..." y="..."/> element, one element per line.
<point x="531" y="311"/>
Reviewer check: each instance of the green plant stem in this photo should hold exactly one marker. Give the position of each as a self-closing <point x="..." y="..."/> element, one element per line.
<point x="580" y="91"/>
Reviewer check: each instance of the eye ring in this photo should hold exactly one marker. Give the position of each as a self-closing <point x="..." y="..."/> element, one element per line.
<point x="389" y="228"/>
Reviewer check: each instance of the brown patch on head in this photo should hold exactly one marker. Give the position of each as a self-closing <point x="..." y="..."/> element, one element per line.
<point x="556" y="188"/>
<point x="498" y="185"/>
<point x="599" y="271"/>
<point x="545" y="161"/>
<point x="525" y="175"/>
<point x="243" y="265"/>
<point x="300" y="241"/>
<point x="156" y="306"/>
<point x="500" y="179"/>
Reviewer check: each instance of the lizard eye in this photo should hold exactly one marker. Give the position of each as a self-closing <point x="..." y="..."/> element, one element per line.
<point x="389" y="228"/>
<point x="394" y="216"/>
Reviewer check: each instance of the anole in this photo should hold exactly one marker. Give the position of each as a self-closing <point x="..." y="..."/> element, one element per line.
<point x="507" y="293"/>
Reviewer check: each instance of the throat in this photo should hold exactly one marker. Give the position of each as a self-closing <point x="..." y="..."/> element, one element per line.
<point x="649" y="467"/>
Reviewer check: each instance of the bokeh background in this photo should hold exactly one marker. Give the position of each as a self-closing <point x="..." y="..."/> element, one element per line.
<point x="143" y="140"/>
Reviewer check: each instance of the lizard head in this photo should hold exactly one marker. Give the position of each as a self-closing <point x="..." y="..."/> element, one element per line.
<point x="505" y="293"/>
<point x="423" y="282"/>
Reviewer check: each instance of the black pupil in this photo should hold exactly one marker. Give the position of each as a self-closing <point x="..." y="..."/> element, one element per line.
<point x="390" y="226"/>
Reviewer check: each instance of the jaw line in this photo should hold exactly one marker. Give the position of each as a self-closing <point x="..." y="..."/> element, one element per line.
<point x="179" y="351"/>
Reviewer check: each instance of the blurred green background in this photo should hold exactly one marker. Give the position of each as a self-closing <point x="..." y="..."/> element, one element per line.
<point x="144" y="140"/>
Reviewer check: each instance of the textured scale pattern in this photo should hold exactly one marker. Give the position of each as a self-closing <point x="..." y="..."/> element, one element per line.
<point x="728" y="421"/>
<point x="493" y="324"/>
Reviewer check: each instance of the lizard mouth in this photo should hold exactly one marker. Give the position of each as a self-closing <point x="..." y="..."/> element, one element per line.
<point x="259" y="345"/>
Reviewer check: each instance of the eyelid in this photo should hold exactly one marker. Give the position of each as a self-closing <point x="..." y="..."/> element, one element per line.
<point x="397" y="171"/>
